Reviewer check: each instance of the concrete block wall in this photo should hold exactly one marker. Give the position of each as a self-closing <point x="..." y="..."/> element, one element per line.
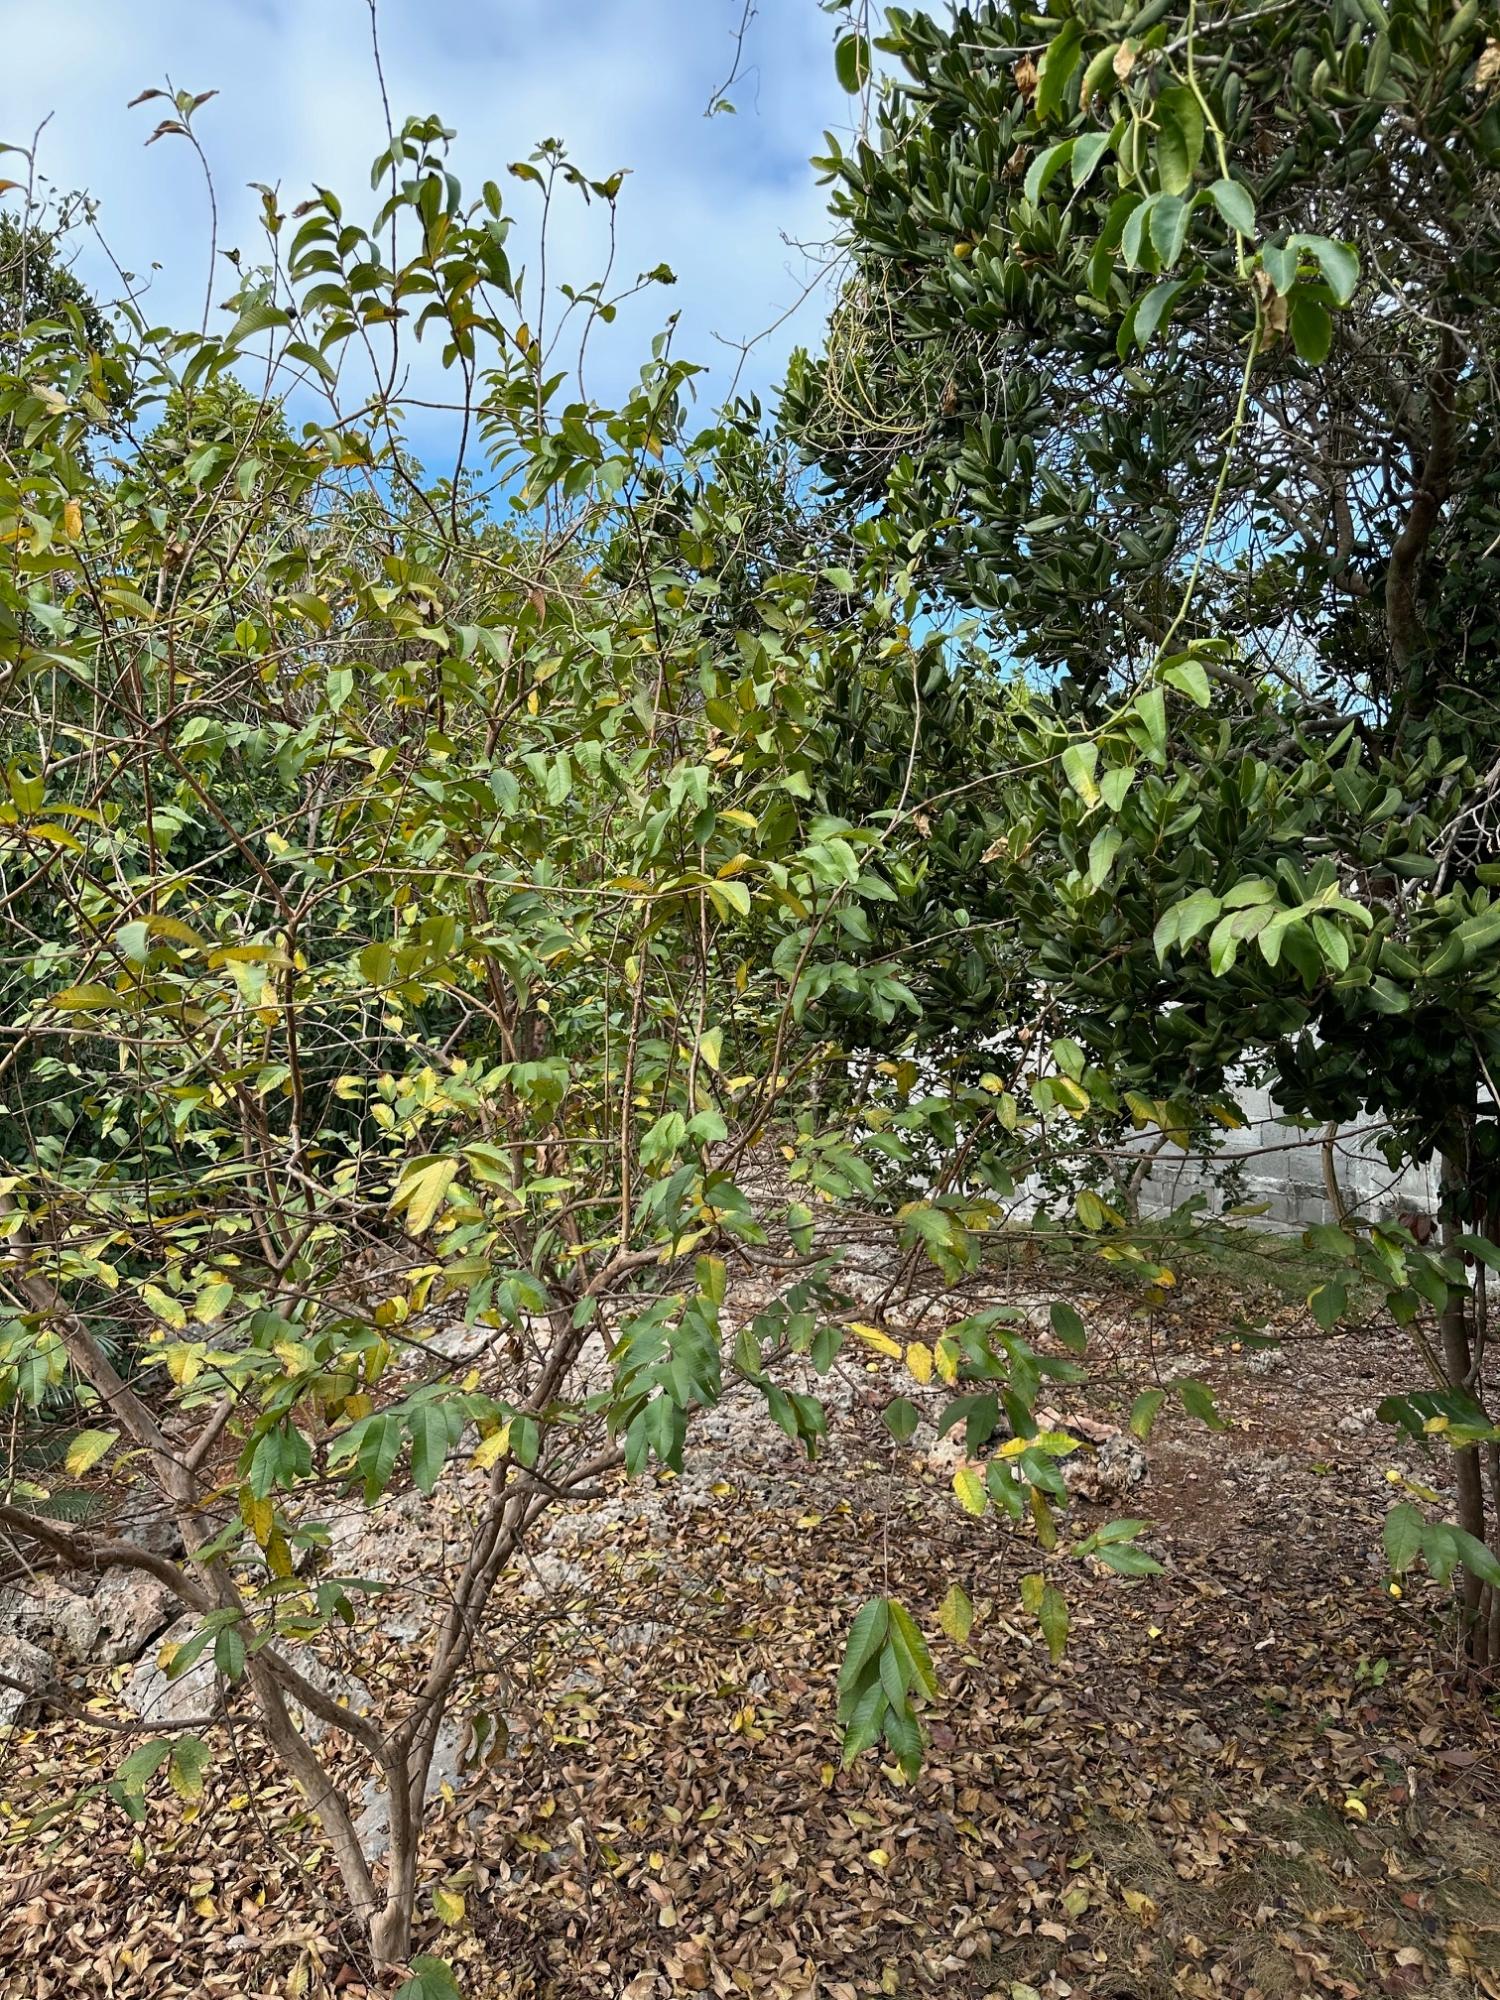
<point x="1282" y="1167"/>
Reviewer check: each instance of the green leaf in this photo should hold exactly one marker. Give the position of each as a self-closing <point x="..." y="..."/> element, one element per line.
<point x="1179" y="138"/>
<point x="1154" y="308"/>
<point x="1057" y="67"/>
<point x="1402" y="1536"/>
<point x="1312" y="327"/>
<point x="431" y="1979"/>
<point x="1151" y="706"/>
<point x="1103" y="848"/>
<point x="1234" y="202"/>
<point x="1078" y="762"/>
<point x="1126" y="1560"/>
<point x="901" y="1418"/>
<point x="1143" y="1412"/>
<point x="430" y="1439"/>
<point x="189" y="1760"/>
<point x="143" y="1763"/>
<point x="229" y="1654"/>
<point x="851" y="62"/>
<point x="1339" y="263"/>
<point x="1047" y="1605"/>
<point x="1328" y="1303"/>
<point x="1045" y="168"/>
<point x="1068" y="1327"/>
<point x="1088" y="150"/>
<point x="1476" y="1558"/>
<point x="1170" y="219"/>
<point x="379" y="1448"/>
<point x="1198" y="1400"/>
<point x="905" y="1627"/>
<point x="1280" y="262"/>
<point x="1189" y="677"/>
<point x="866" y="1637"/>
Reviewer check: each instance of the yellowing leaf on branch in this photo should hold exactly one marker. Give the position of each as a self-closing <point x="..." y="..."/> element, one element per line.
<point x="956" y="1614"/>
<point x="919" y="1360"/>
<point x="448" y="1906"/>
<point x="873" y="1337"/>
<point x="87" y="1449"/>
<point x="421" y="1192"/>
<point x="969" y="1487"/>
<point x="494" y="1447"/>
<point x="169" y="1310"/>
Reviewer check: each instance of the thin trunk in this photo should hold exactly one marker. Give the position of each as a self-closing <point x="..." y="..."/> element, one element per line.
<point x="1458" y="1358"/>
<point x="1138" y="1177"/>
<point x="1331" y="1186"/>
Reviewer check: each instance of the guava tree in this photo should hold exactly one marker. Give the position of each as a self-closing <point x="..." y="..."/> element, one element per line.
<point x="1166" y="348"/>
<point x="421" y="912"/>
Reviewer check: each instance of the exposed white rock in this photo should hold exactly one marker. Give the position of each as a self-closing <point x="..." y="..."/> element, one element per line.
<point x="24" y="1671"/>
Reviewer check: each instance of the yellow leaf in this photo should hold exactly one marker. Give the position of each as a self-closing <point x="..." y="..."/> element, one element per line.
<point x="211" y="1301"/>
<point x="258" y="1515"/>
<point x="422" y="1191"/>
<point x="496" y="1445"/>
<point x="970" y="1490"/>
<point x="166" y="1309"/>
<point x="945" y="1354"/>
<point x="956" y="1615"/>
<point x="448" y="1906"/>
<point x="72" y="520"/>
<point x="87" y="1449"/>
<point x="880" y="1857"/>
<point x="1139" y="1905"/>
<point x="881" y="1342"/>
<point x="1058" y="1443"/>
<point x="184" y="1363"/>
<point x="919" y="1360"/>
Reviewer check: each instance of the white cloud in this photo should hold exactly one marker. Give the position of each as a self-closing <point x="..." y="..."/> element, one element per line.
<point x="622" y="82"/>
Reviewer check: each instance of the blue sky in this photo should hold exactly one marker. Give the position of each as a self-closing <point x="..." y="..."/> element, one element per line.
<point x="622" y="82"/>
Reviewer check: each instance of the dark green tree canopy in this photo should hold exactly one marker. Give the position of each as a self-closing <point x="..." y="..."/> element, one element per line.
<point x="1041" y="343"/>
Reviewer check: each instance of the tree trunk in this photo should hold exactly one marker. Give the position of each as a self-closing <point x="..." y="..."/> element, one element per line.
<point x="1328" y="1154"/>
<point x="1468" y="1470"/>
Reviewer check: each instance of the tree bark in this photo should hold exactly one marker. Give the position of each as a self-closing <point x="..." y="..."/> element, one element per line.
<point x="1433" y="481"/>
<point x="1468" y="1473"/>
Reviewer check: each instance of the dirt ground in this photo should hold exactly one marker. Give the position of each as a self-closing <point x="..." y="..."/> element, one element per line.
<point x="1256" y="1775"/>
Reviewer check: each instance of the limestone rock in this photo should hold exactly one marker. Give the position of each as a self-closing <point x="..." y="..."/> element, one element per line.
<point x="155" y="1698"/>
<point x="130" y="1608"/>
<point x="46" y="1614"/>
<point x="24" y="1671"/>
